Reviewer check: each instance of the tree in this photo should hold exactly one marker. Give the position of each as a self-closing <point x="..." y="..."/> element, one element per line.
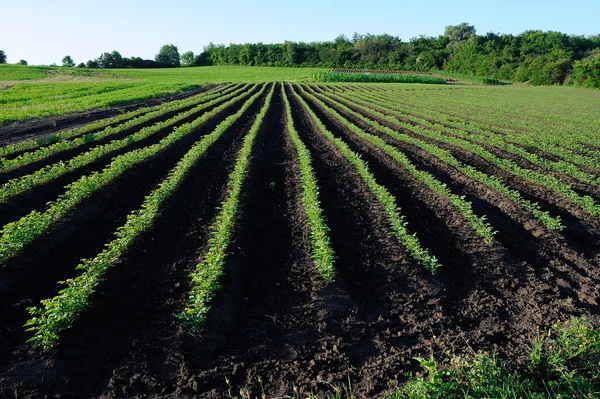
<point x="92" y="64"/>
<point x="459" y="33"/>
<point x="22" y="62"/>
<point x="81" y="65"/>
<point x="68" y="62"/>
<point x="187" y="58"/>
<point x="168" y="55"/>
<point x="2" y="57"/>
<point x="110" y="60"/>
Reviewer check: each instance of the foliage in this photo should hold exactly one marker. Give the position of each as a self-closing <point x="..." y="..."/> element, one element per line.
<point x="168" y="55"/>
<point x="564" y="363"/>
<point x="586" y="72"/>
<point x="373" y="77"/>
<point x="2" y="57"/>
<point x="187" y="58"/>
<point x="68" y="62"/>
<point x="20" y="72"/>
<point x="535" y="56"/>
<point x="22" y="62"/>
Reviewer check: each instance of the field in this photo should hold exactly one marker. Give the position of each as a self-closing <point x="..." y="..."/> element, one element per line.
<point x="248" y="238"/>
<point x="28" y="92"/>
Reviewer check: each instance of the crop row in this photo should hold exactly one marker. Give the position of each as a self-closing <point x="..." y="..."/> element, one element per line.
<point x="380" y="78"/>
<point x="53" y="171"/>
<point x="16" y="235"/>
<point x="574" y="131"/>
<point x="494" y="182"/>
<point x="64" y="145"/>
<point x="58" y="313"/>
<point x="322" y="253"/>
<point x="478" y="223"/>
<point x="31" y="144"/>
<point x="387" y="200"/>
<point x="206" y="276"/>
<point x="564" y="190"/>
<point x="513" y="143"/>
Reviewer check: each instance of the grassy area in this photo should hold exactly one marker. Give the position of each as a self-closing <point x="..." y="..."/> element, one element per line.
<point x="56" y="91"/>
<point x="21" y="72"/>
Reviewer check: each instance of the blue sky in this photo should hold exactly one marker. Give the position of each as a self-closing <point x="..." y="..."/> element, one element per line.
<point x="43" y="31"/>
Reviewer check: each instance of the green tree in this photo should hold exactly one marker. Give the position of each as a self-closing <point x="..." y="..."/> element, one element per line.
<point x="67" y="61"/>
<point x="81" y="65"/>
<point x="168" y="55"/>
<point x="586" y="72"/>
<point x="2" y="57"/>
<point x="187" y="58"/>
<point x="22" y="62"/>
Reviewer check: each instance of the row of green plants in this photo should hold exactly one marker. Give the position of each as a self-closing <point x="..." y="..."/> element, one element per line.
<point x="58" y="313"/>
<point x="374" y="78"/>
<point x="476" y="222"/>
<point x="547" y="117"/>
<point x="27" y="101"/>
<point x="514" y="143"/>
<point x="205" y="278"/>
<point x="584" y="201"/>
<point x="494" y="182"/>
<point x="30" y="144"/>
<point x="322" y="252"/>
<point x="15" y="235"/>
<point x="387" y="200"/>
<point x="51" y="172"/>
<point x="42" y="153"/>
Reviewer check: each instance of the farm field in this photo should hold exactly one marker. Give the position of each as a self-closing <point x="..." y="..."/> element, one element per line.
<point x="268" y="236"/>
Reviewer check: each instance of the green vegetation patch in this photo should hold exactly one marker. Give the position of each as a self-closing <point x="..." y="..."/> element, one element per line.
<point x="22" y="72"/>
<point x="374" y="78"/>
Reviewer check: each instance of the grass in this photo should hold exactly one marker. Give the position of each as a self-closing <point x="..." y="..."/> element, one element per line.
<point x="21" y="72"/>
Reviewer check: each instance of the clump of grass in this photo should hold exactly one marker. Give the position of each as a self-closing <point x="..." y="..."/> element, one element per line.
<point x="564" y="363"/>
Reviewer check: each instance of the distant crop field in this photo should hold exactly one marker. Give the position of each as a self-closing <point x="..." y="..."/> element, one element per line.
<point x="281" y="235"/>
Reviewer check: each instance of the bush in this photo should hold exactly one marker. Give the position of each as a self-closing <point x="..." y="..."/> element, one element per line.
<point x="587" y="72"/>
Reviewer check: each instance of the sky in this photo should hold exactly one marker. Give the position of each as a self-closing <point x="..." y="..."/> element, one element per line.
<point x="43" y="31"/>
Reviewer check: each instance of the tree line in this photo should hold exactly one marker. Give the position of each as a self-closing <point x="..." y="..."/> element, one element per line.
<point x="538" y="57"/>
<point x="535" y="56"/>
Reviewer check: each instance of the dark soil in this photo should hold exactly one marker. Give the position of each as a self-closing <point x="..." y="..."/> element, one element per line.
<point x="14" y="132"/>
<point x="274" y="324"/>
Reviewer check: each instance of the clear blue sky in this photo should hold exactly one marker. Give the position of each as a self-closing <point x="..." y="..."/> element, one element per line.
<point x="43" y="31"/>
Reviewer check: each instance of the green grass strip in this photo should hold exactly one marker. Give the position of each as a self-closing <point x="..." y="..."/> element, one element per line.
<point x="15" y="235"/>
<point x="50" y="172"/>
<point x="7" y="165"/>
<point x="30" y="144"/>
<point x="206" y="276"/>
<point x="396" y="220"/>
<point x="552" y="223"/>
<point x="322" y="252"/>
<point x="478" y="223"/>
<point x="60" y="312"/>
